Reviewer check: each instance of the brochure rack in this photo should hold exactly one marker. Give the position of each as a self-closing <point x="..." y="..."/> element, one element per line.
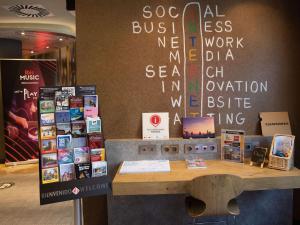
<point x="67" y="174"/>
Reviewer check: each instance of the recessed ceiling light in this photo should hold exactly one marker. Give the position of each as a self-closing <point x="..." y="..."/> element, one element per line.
<point x="22" y="33"/>
<point x="31" y="51"/>
<point x="60" y="39"/>
<point x="47" y="47"/>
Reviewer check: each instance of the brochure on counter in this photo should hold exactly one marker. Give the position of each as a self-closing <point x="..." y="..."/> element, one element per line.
<point x="145" y="166"/>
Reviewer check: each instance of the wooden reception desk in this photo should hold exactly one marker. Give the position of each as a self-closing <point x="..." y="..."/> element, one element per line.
<point x="214" y="186"/>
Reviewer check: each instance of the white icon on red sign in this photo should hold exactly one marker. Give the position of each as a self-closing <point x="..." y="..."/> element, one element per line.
<point x="75" y="190"/>
<point x="155" y="120"/>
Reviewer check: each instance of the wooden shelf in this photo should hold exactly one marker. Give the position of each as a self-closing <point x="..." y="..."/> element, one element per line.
<point x="179" y="180"/>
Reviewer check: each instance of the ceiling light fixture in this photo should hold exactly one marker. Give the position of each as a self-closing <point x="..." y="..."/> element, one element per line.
<point x="47" y="47"/>
<point x="60" y="39"/>
<point x="22" y="33"/>
<point x="31" y="51"/>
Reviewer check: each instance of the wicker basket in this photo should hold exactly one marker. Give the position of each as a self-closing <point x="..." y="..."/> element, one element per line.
<point x="282" y="163"/>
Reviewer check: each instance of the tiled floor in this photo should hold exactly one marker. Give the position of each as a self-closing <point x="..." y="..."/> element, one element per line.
<point x="19" y="205"/>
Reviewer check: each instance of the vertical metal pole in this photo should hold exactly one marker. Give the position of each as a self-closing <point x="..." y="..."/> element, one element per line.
<point x="77" y="212"/>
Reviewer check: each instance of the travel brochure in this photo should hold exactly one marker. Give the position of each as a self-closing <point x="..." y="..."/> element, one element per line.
<point x="71" y="143"/>
<point x="197" y="163"/>
<point x="232" y="145"/>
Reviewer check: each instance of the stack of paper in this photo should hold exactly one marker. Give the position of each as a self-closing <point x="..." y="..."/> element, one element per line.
<point x="145" y="166"/>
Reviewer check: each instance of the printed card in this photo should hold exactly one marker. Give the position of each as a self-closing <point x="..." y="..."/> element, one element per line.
<point x="50" y="175"/>
<point x="155" y="126"/>
<point x="64" y="141"/>
<point x="67" y="172"/>
<point x="99" y="169"/>
<point x="47" y="106"/>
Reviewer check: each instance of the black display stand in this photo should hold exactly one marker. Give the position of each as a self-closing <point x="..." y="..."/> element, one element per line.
<point x="74" y="189"/>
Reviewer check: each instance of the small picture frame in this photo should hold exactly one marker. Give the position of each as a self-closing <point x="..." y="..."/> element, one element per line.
<point x="258" y="156"/>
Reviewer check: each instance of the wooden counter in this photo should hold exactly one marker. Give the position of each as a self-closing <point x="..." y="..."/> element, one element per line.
<point x="178" y="181"/>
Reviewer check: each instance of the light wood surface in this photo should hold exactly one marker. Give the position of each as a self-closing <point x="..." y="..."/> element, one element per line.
<point x="212" y="190"/>
<point x="178" y="180"/>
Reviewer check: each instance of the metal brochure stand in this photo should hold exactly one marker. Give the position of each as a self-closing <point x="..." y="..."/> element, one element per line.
<point x="78" y="218"/>
<point x="73" y="189"/>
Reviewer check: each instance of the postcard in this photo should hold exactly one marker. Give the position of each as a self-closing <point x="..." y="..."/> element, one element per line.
<point x="90" y="112"/>
<point x="67" y="172"/>
<point x="49" y="160"/>
<point x="99" y="169"/>
<point x="76" y="114"/>
<point x="76" y="101"/>
<point x="48" y="93"/>
<point x="69" y="90"/>
<point x="64" y="141"/>
<point x="79" y="128"/>
<point x="62" y="116"/>
<point x="47" y="106"/>
<point x="61" y="100"/>
<point x="65" y="156"/>
<point x="81" y="155"/>
<point x="95" y="141"/>
<point x="83" y="170"/>
<point x="90" y="101"/>
<point x="63" y="128"/>
<point x="79" y="142"/>
<point x="48" y="146"/>
<point x="82" y="90"/>
<point x="93" y="125"/>
<point x="50" y="175"/>
<point x="48" y="132"/>
<point x="47" y="119"/>
<point x="97" y="154"/>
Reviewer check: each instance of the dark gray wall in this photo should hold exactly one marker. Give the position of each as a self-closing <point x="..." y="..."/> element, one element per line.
<point x="8" y="49"/>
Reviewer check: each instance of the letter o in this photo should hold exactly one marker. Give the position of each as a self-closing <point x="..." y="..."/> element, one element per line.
<point x="163" y="11"/>
<point x="212" y="84"/>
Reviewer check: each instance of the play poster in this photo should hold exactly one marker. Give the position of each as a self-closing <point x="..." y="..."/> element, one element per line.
<point x="21" y="80"/>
